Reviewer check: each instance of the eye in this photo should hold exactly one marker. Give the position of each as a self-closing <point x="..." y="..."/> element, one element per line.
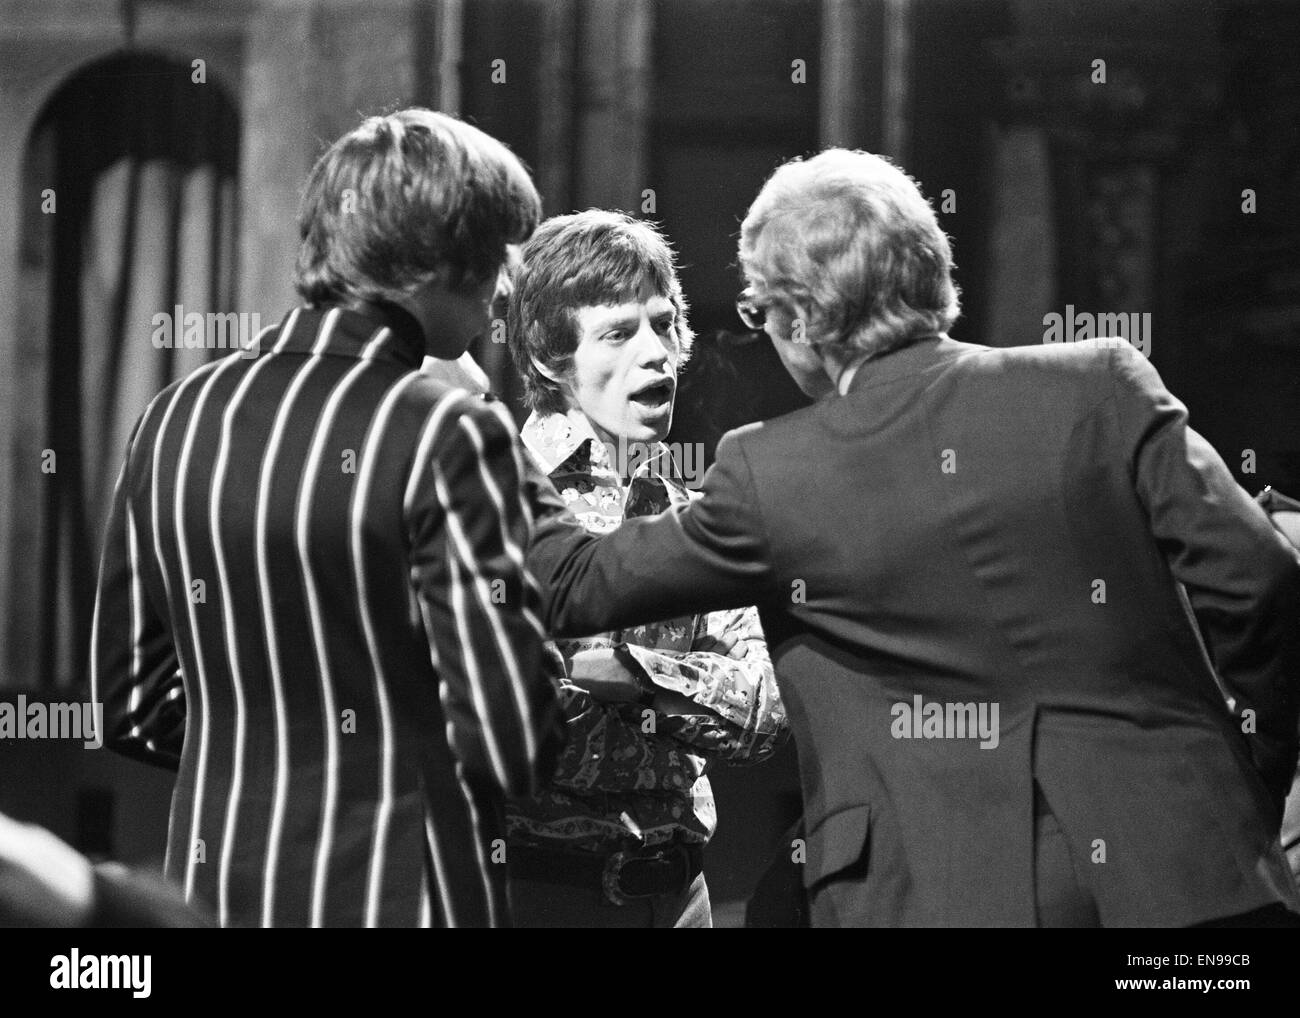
<point x="615" y="336"/>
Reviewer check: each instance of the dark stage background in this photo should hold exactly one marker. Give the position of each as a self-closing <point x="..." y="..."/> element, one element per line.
<point x="1170" y="188"/>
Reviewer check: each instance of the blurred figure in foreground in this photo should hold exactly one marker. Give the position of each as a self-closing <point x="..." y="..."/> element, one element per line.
<point x="46" y="883"/>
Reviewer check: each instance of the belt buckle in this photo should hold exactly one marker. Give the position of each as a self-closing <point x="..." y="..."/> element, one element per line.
<point x="611" y="877"/>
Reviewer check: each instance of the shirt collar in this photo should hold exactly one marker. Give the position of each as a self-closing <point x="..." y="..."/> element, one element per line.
<point x="908" y="360"/>
<point x="568" y="440"/>
<point x="847" y="376"/>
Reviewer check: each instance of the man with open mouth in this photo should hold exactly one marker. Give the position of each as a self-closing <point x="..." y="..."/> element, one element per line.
<point x="598" y="328"/>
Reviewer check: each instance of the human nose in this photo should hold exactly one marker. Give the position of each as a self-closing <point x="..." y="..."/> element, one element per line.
<point x="505" y="284"/>
<point x="652" y="349"/>
<point x="510" y="265"/>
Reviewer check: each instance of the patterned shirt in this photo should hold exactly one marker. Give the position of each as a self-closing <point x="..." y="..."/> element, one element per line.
<point x="631" y="776"/>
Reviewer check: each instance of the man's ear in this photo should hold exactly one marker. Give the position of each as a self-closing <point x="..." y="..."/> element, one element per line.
<point x="449" y="319"/>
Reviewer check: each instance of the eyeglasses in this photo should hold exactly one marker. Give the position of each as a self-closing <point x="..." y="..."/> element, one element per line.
<point x="1273" y="501"/>
<point x="752" y="313"/>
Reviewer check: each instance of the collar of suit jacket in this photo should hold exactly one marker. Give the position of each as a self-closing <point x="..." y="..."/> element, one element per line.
<point x="369" y="331"/>
<point x="895" y="364"/>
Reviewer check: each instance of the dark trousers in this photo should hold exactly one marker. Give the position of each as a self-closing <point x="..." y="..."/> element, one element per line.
<point x="541" y="904"/>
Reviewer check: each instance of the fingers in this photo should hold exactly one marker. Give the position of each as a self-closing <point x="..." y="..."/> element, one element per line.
<point x="725" y="643"/>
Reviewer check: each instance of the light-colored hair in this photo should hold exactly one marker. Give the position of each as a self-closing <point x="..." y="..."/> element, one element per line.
<point x="849" y="238"/>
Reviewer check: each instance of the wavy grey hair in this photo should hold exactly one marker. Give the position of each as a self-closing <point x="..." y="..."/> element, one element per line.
<point x="848" y="237"/>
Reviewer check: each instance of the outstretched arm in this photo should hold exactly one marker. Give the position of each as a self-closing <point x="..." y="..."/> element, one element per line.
<point x="707" y="555"/>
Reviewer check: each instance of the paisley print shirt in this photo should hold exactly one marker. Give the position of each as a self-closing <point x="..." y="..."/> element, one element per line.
<point x="631" y="776"/>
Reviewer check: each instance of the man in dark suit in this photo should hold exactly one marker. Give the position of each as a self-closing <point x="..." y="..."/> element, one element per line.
<point x="968" y="563"/>
<point x="313" y="600"/>
<point x="1284" y="512"/>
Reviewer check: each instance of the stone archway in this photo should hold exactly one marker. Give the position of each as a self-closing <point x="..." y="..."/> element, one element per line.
<point x="128" y="208"/>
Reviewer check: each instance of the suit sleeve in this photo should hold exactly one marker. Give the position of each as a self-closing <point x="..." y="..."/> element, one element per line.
<point x="709" y="554"/>
<point x="1241" y="576"/>
<point x="471" y="522"/>
<point x="134" y="669"/>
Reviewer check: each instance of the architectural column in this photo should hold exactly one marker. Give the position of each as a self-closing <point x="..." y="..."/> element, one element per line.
<point x="845" y="114"/>
<point x="613" y="104"/>
<point x="555" y="142"/>
<point x="311" y="70"/>
<point x="896" y="111"/>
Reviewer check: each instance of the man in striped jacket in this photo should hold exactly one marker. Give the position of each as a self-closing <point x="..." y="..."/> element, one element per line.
<point x="313" y="600"/>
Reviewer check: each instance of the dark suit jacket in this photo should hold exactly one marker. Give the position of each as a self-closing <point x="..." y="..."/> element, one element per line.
<point x="313" y="604"/>
<point x="1285" y="514"/>
<point x="995" y="526"/>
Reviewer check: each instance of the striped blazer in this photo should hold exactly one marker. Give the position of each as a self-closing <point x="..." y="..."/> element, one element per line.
<point x="313" y="604"/>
